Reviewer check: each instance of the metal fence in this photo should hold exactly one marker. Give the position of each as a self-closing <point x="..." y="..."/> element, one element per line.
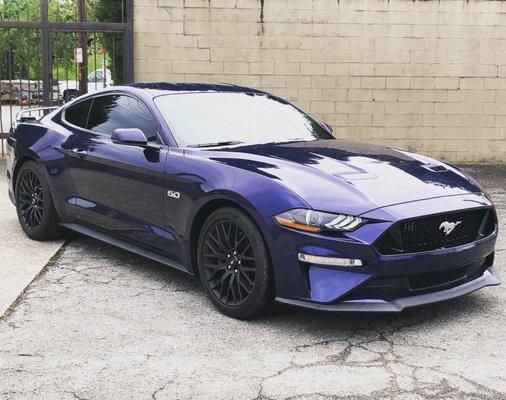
<point x="53" y="51"/>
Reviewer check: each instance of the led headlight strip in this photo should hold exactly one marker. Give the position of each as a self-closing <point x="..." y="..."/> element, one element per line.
<point x="316" y="221"/>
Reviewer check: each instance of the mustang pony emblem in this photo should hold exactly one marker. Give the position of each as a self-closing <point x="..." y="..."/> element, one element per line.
<point x="448" y="226"/>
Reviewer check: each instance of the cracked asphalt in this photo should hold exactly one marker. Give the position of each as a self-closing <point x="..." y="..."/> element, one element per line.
<point x="100" y="323"/>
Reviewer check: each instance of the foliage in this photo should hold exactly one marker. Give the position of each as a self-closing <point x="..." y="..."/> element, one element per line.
<point x="111" y="11"/>
<point x="24" y="61"/>
<point x="20" y="53"/>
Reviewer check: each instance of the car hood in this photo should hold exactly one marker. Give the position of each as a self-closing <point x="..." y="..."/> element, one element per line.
<point x="345" y="176"/>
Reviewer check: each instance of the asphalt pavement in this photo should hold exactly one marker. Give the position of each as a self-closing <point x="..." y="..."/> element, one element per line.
<point x="100" y="323"/>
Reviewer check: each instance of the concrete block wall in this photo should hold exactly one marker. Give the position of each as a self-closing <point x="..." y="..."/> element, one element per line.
<point x="426" y="76"/>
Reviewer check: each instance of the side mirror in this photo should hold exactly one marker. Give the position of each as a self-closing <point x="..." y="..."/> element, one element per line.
<point x="327" y="127"/>
<point x="129" y="136"/>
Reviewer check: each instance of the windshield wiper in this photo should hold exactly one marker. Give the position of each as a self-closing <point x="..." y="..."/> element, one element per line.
<point x="215" y="144"/>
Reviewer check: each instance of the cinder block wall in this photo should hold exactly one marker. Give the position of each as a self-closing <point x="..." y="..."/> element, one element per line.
<point x="425" y="76"/>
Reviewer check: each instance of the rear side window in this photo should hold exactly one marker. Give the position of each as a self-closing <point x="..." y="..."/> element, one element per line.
<point x="112" y="112"/>
<point x="78" y="114"/>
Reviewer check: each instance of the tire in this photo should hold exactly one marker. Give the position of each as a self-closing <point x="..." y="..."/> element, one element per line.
<point x="70" y="95"/>
<point x="234" y="264"/>
<point x="34" y="204"/>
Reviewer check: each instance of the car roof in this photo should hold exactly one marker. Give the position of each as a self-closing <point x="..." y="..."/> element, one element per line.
<point x="160" y="88"/>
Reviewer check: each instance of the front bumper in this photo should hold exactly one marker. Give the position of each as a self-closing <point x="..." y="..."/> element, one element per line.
<point x="384" y="282"/>
<point x="489" y="278"/>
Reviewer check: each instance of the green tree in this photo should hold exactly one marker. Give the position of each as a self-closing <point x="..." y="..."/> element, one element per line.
<point x="20" y="53"/>
<point x="17" y="45"/>
<point x="110" y="11"/>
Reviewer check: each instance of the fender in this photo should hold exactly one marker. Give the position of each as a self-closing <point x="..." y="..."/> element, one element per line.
<point x="252" y="209"/>
<point x="229" y="196"/>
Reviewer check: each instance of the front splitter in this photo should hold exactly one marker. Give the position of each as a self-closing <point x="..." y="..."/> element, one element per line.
<point x="489" y="278"/>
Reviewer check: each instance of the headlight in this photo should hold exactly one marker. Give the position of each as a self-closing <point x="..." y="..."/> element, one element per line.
<point x="317" y="221"/>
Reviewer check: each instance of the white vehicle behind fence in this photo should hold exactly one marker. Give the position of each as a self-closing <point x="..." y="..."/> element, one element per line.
<point x="98" y="79"/>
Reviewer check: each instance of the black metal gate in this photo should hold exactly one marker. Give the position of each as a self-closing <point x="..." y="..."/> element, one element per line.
<point x="54" y="50"/>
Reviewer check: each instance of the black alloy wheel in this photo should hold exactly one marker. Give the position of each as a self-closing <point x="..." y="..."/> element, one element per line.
<point x="229" y="262"/>
<point x="30" y="199"/>
<point x="34" y="204"/>
<point x="234" y="264"/>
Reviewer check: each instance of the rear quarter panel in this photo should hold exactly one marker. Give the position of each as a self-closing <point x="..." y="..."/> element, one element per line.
<point x="42" y="143"/>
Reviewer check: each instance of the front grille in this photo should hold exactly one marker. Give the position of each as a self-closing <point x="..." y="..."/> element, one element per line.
<point x="490" y="224"/>
<point x="428" y="233"/>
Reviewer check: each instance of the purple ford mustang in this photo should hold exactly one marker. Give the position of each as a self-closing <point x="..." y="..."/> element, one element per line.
<point x="255" y="196"/>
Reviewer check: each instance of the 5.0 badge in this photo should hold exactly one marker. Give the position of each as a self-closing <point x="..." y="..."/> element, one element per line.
<point x="173" y="194"/>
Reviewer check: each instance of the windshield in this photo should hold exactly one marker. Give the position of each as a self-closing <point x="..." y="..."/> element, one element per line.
<point x="206" y="119"/>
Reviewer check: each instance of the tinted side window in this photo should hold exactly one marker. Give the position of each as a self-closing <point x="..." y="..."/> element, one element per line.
<point x="112" y="112"/>
<point x="78" y="114"/>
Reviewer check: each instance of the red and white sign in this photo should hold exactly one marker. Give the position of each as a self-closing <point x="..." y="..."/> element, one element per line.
<point x="78" y="54"/>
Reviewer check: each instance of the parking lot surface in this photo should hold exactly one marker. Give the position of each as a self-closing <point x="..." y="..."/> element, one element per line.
<point x="21" y="259"/>
<point x="101" y="323"/>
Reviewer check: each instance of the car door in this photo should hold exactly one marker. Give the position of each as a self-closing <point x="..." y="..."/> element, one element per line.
<point x="119" y="188"/>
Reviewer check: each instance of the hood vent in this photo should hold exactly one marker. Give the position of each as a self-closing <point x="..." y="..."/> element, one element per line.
<point x="435" y="167"/>
<point x="356" y="175"/>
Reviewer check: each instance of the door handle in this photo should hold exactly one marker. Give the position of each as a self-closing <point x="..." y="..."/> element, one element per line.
<point x="79" y="153"/>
